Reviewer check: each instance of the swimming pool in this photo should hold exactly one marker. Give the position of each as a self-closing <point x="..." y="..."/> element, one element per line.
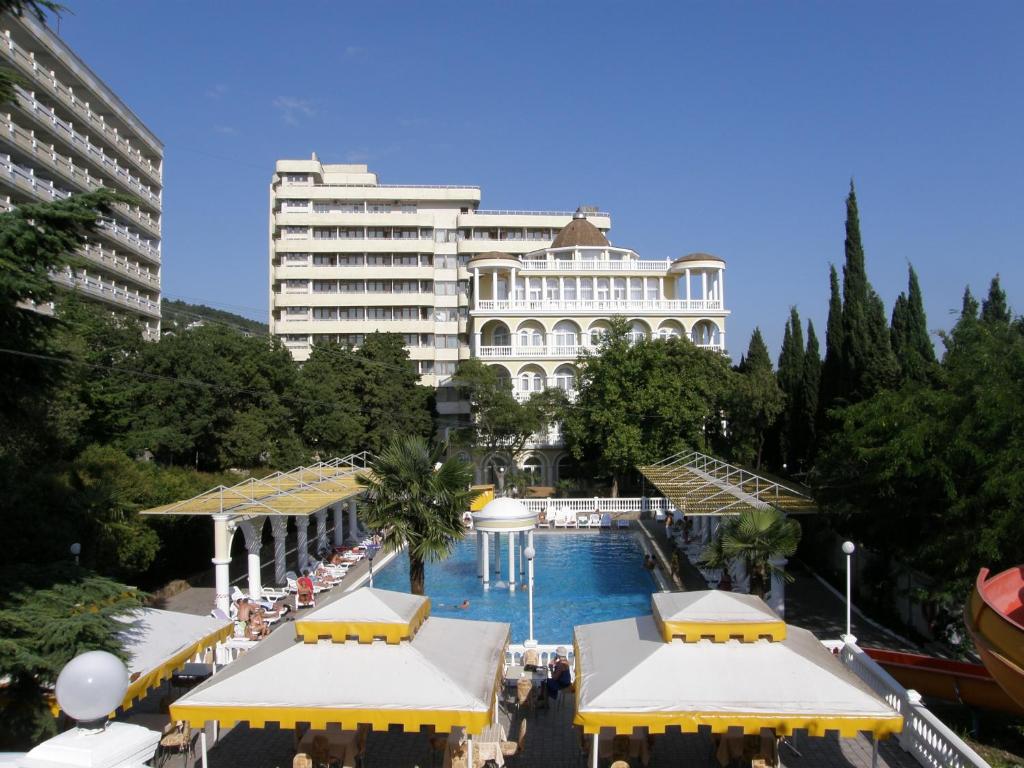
<point x="579" y="578"/>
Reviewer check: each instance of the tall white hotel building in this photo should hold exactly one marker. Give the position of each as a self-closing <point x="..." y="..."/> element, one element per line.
<point x="523" y="290"/>
<point x="67" y="132"/>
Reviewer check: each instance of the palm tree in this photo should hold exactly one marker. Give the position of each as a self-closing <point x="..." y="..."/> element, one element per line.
<point x="758" y="536"/>
<point x="414" y="498"/>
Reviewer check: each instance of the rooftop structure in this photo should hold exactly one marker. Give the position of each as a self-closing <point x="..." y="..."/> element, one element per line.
<point x="66" y="133"/>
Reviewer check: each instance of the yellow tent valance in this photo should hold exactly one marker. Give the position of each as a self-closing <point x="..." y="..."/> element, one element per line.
<point x="363" y="631"/>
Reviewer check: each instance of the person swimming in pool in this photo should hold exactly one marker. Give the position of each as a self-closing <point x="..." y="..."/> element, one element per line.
<point x="464" y="605"/>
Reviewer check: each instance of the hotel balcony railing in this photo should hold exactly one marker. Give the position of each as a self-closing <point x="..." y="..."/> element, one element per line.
<point x="557" y="351"/>
<point x="131" y="239"/>
<point x="562" y="306"/>
<point x="68" y="134"/>
<point x="26" y="62"/>
<point x="594" y="265"/>
<point x="94" y="286"/>
<point x="570" y="214"/>
<point x="99" y="255"/>
<point x="77" y="175"/>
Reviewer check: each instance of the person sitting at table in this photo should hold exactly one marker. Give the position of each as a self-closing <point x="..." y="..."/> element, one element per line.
<point x="561" y="675"/>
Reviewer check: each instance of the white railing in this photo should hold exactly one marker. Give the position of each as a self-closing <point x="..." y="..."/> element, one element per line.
<point x="97" y="253"/>
<point x="924" y="736"/>
<point x="597" y="305"/>
<point x="559" y="350"/>
<point x="483" y="212"/>
<point x="109" y="291"/>
<point x="546" y="651"/>
<point x="633" y="505"/>
<point x="131" y="239"/>
<point x="26" y="61"/>
<point x="593" y="265"/>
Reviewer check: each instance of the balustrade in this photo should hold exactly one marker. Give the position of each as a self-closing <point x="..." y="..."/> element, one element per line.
<point x="549" y="306"/>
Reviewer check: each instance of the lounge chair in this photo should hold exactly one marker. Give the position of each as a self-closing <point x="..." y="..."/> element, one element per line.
<point x="237" y="594"/>
<point x="582" y="521"/>
<point x="606" y="520"/>
<point x="291" y="583"/>
<point x="570" y="519"/>
<point x="622" y="522"/>
<point x="595" y="520"/>
<point x="542" y="519"/>
<point x="560" y="521"/>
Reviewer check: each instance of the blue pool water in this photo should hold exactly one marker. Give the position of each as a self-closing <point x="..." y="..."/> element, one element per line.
<point x="579" y="578"/>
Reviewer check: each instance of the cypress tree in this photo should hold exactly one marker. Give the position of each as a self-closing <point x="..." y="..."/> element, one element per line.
<point x="809" y="401"/>
<point x="828" y="391"/>
<point x="856" y="343"/>
<point x="994" y="309"/>
<point x="757" y="357"/>
<point x="881" y="371"/>
<point x="908" y="334"/>
<point x="969" y="307"/>
<point x="790" y="377"/>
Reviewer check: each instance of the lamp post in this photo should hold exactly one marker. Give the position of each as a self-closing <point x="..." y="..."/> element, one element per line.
<point x="848" y="548"/>
<point x="371" y="551"/>
<point x="501" y="481"/>
<point x="529" y="553"/>
<point x="76" y="550"/>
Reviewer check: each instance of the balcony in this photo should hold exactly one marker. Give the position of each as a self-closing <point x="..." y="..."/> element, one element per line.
<point x="74" y="174"/>
<point x="108" y="259"/>
<point x="72" y="138"/>
<point x="101" y="289"/>
<point x="25" y="61"/>
<point x="601" y="306"/>
<point x="594" y="265"/>
<point x="533" y="353"/>
<point x="121" y="234"/>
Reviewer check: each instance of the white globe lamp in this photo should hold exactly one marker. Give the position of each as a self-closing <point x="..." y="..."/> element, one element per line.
<point x="92" y="685"/>
<point x="848" y="549"/>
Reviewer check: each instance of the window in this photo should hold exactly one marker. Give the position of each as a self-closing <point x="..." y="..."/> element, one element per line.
<point x="378" y="207"/>
<point x="295" y="233"/>
<point x="325" y="286"/>
<point x="350" y="233"/>
<point x="296" y="178"/>
<point x="378" y="259"/>
<point x="565" y="378"/>
<point x="324" y="260"/>
<point x="378" y="286"/>
<point x="512" y="234"/>
<point x="425" y="367"/>
<point x="407" y="207"/>
<point x="377" y="233"/>
<point x="445" y="287"/>
<point x="294" y="205"/>
<point x="535" y="288"/>
<point x="350" y="313"/>
<point x="531" y="381"/>
<point x="351" y="286"/>
<point x="552" y="288"/>
<point x="587" y="290"/>
<point x="442" y="315"/>
<point x="602" y="289"/>
<point x="446" y="341"/>
<point x="402" y="233"/>
<point x="565" y="335"/>
<point x="406" y="260"/>
<point x="325" y="313"/>
<point x="406" y="286"/>
<point x="296" y="258"/>
<point x="444" y="367"/>
<point x="296" y="286"/>
<point x="351" y="339"/>
<point x="652" y="289"/>
<point x="531" y="337"/>
<point x="325" y="233"/>
<point x="569" y="294"/>
<point x="534" y="470"/>
<point x="407" y="313"/>
<point x="296" y="313"/>
<point x="411" y="339"/>
<point x="445" y="261"/>
<point x="636" y="290"/>
<point x="536" y="234"/>
<point x="378" y="313"/>
<point x="351" y="259"/>
<point x="619" y="288"/>
<point x="501" y="337"/>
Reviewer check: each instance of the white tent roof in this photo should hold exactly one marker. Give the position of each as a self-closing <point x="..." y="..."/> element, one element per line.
<point x="159" y="642"/>
<point x="628" y="676"/>
<point x="366" y="614"/>
<point x="717" y="613"/>
<point x="446" y="676"/>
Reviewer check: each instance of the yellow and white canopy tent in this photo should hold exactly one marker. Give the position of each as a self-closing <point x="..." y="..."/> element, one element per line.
<point x="372" y="657"/>
<point x="719" y="660"/>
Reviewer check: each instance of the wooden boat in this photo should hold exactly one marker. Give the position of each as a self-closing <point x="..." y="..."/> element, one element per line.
<point x="995" y="619"/>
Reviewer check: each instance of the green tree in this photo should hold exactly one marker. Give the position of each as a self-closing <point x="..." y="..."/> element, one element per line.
<point x="393" y="401"/>
<point x="807" y="420"/>
<point x="755" y="403"/>
<point x="331" y="417"/>
<point x="415" y="499"/>
<point x="639" y="402"/>
<point x="757" y="536"/>
<point x="831" y="370"/>
<point x="994" y="310"/>
<point x="48" y="615"/>
<point x="791" y="382"/>
<point x="909" y="334"/>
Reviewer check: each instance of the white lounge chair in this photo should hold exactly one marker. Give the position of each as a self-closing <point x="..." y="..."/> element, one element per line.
<point x="622" y="522"/>
<point x="560" y="521"/>
<point x="595" y="520"/>
<point x="606" y="520"/>
<point x="570" y="519"/>
<point x="543" y="518"/>
<point x="237" y="594"/>
<point x="582" y="521"/>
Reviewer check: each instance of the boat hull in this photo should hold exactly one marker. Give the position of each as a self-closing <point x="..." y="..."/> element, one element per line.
<point x="994" y="617"/>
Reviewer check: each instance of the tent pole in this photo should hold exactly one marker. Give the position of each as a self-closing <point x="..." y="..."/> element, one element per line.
<point x="874" y="751"/>
<point x="202" y="746"/>
<point x="469" y="751"/>
<point x="593" y="752"/>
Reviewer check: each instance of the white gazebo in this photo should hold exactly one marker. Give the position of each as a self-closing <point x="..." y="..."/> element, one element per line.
<point x="509" y="516"/>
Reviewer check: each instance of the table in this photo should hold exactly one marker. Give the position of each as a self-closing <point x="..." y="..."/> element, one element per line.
<point x="516" y="672"/>
<point x="486" y="746"/>
<point x="340" y="744"/>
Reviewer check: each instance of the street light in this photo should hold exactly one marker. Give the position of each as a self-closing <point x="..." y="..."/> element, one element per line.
<point x="371" y="551"/>
<point x="529" y="553"/>
<point x="76" y="550"/>
<point x="848" y="548"/>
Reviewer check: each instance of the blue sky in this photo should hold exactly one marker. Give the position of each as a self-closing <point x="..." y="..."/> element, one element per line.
<point x="729" y="127"/>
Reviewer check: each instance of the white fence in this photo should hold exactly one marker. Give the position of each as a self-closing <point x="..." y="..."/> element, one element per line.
<point x="924" y="736"/>
<point x="546" y="652"/>
<point x="633" y="506"/>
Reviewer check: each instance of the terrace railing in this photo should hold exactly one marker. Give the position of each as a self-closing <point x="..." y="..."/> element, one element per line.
<point x="638" y="505"/>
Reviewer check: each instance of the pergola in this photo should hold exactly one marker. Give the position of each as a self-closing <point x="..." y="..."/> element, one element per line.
<point x="707" y="489"/>
<point x="299" y="494"/>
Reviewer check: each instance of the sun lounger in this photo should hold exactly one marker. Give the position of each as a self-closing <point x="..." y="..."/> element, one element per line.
<point x="542" y="519"/>
<point x="582" y="521"/>
<point x="560" y="521"/>
<point x="595" y="520"/>
<point x="606" y="520"/>
<point x="622" y="522"/>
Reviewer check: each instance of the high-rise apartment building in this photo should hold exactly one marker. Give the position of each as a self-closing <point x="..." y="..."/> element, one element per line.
<point x="68" y="133"/>
<point x="525" y="291"/>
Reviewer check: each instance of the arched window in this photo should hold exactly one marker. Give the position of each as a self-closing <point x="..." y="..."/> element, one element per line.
<point x="566" y="334"/>
<point x="566" y="467"/>
<point x="533" y="468"/>
<point x="565" y="378"/>
<point x="493" y="465"/>
<point x="501" y="337"/>
<point x="530" y="337"/>
<point x="637" y="332"/>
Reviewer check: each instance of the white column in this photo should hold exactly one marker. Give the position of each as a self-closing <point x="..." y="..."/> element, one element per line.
<point x="477" y="343"/>
<point x="704" y="285"/>
<point x="353" y="522"/>
<point x="511" y="561"/>
<point x="522" y="560"/>
<point x="494" y="285"/>
<point x="629" y="288"/>
<point x="561" y="288"/>
<point x="479" y="555"/>
<point x="593" y="751"/>
<point x="661" y="289"/>
<point x="497" y="556"/>
<point x="222" y="562"/>
<point x="688" y="285"/>
<point x="549" y="342"/>
<point x="339" y="524"/>
<point x="322" y="544"/>
<point x="721" y="286"/>
<point x="302" y="542"/>
<point x="485" y="541"/>
<point x="511" y="285"/>
<point x="253" y="532"/>
<point x="279" y="530"/>
<point x="476" y="289"/>
<point x="578" y="296"/>
<point x="530" y="641"/>
<point x="777" y="594"/>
